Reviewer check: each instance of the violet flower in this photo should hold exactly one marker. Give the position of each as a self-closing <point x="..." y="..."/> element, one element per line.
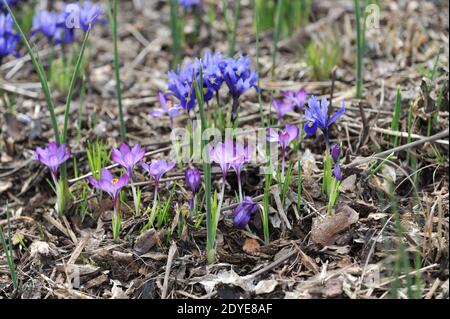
<point x="181" y="85"/>
<point x="223" y="154"/>
<point x="335" y="154"/>
<point x="8" y="38"/>
<point x="244" y="212"/>
<point x="156" y="169"/>
<point x="168" y="107"/>
<point x="242" y="155"/>
<point x="90" y="14"/>
<point x="53" y="157"/>
<point x="128" y="158"/>
<point x="317" y="116"/>
<point x="112" y="186"/>
<point x="337" y="172"/>
<point x="188" y="4"/>
<point x="193" y="180"/>
<point x="282" y="107"/>
<point x="239" y="78"/>
<point x="284" y="138"/>
<point x="10" y="4"/>
<point x="297" y="99"/>
<point x="45" y="22"/>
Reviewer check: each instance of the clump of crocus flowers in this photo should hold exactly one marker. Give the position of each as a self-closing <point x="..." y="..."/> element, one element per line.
<point x="53" y="156"/>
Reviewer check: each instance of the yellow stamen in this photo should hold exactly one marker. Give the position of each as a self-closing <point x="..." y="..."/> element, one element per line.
<point x="169" y="104"/>
<point x="115" y="180"/>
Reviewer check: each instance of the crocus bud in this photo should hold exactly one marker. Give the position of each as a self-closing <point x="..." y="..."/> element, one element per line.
<point x="193" y="179"/>
<point x="337" y="172"/>
<point x="243" y="212"/>
<point x="335" y="152"/>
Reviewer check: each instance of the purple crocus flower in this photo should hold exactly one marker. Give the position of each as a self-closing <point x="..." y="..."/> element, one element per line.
<point x="111" y="185"/>
<point x="224" y="155"/>
<point x="317" y="116"/>
<point x="128" y="157"/>
<point x="282" y="107"/>
<point x="168" y="107"/>
<point x="52" y="157"/>
<point x="157" y="168"/>
<point x="193" y="180"/>
<point x="284" y="138"/>
<point x="244" y="212"/>
<point x="8" y="38"/>
<point x="298" y="98"/>
<point x="242" y="155"/>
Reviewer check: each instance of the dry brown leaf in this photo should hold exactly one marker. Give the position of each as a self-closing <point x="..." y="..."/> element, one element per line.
<point x="325" y="231"/>
<point x="251" y="246"/>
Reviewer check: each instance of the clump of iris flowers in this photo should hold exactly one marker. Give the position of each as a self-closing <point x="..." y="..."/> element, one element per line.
<point x="8" y="38"/>
<point x="215" y="70"/>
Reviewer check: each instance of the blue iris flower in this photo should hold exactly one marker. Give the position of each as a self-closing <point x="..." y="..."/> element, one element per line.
<point x="8" y="38"/>
<point x="10" y="4"/>
<point x="317" y="117"/>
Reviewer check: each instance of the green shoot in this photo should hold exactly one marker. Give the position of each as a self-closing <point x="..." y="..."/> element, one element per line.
<point x="98" y="155"/>
<point x="321" y="58"/>
<point x="112" y="14"/>
<point x="276" y="36"/>
<point x="327" y="174"/>
<point x="176" y="27"/>
<point x="232" y="36"/>
<point x="395" y="125"/>
<point x="299" y="185"/>
<point x="265" y="210"/>
<point x="359" y="49"/>
<point x="8" y="249"/>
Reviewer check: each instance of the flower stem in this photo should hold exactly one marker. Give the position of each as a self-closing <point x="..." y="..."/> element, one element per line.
<point x="135" y="200"/>
<point x="116" y="220"/>
<point x="234" y="109"/>
<point x="238" y="174"/>
<point x="155" y="202"/>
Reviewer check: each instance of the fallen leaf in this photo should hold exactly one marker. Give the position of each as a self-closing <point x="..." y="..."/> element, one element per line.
<point x="265" y="286"/>
<point x="251" y="246"/>
<point x="4" y="186"/>
<point x="147" y="240"/>
<point x="325" y="231"/>
<point x="348" y="184"/>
